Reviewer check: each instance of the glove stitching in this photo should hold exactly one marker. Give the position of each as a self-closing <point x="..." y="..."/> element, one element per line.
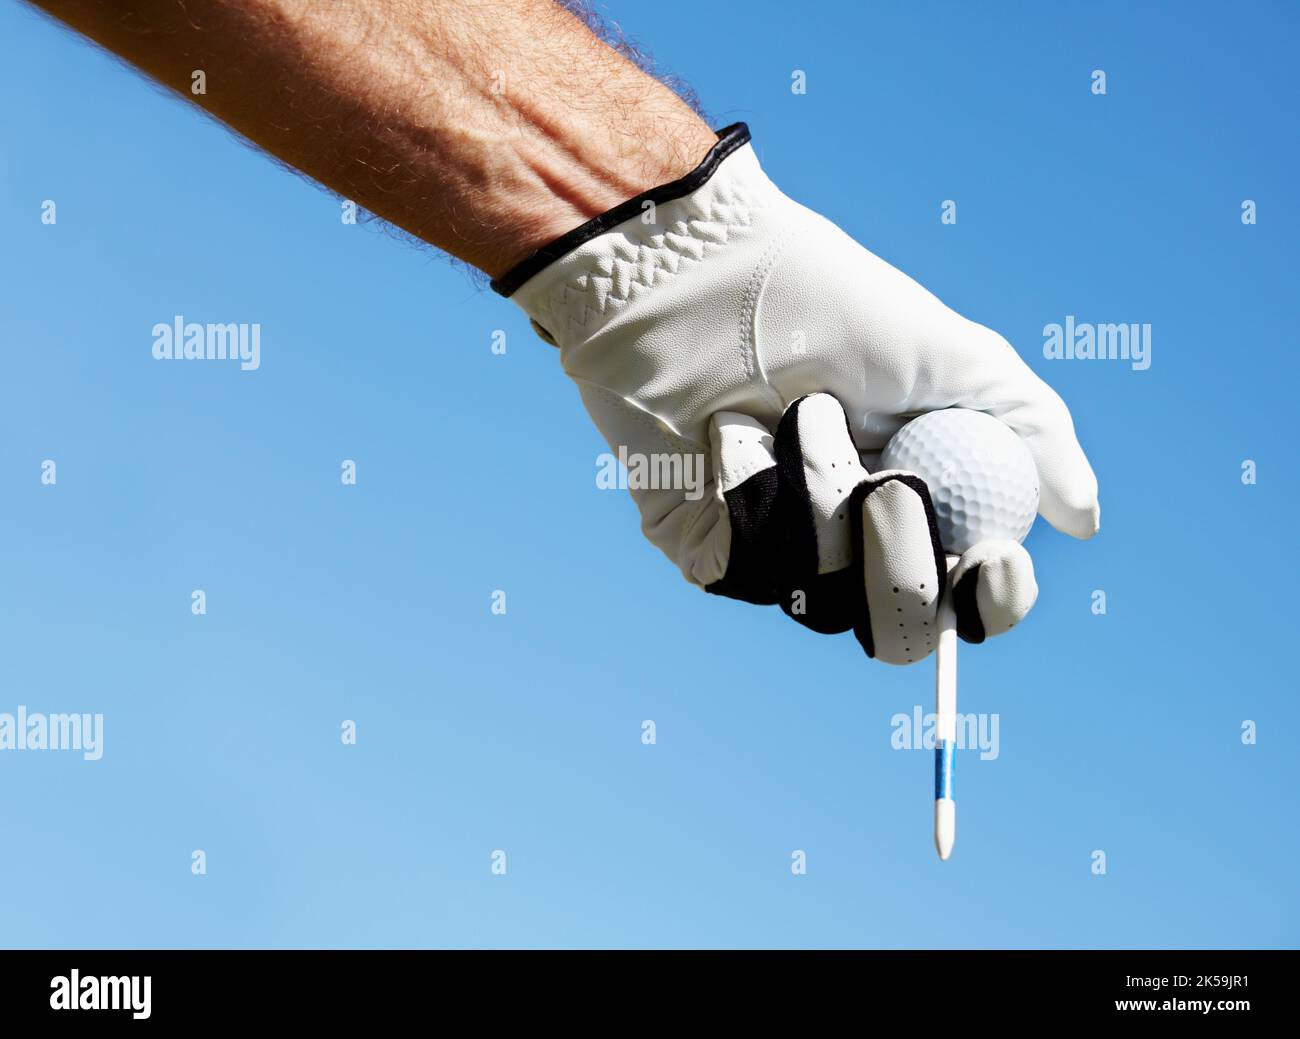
<point x="749" y="315"/>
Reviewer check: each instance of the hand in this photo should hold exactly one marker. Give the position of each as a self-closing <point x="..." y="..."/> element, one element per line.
<point x="685" y="313"/>
<point x="704" y="314"/>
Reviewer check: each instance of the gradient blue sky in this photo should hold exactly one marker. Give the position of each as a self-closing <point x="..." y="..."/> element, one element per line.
<point x="477" y="472"/>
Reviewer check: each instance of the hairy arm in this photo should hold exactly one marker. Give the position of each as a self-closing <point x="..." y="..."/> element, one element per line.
<point x="484" y="127"/>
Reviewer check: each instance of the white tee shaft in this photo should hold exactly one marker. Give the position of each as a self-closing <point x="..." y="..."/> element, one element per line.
<point x="945" y="706"/>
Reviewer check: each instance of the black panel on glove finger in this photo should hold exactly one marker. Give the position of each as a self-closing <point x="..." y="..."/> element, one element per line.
<point x="751" y="508"/>
<point x="970" y="626"/>
<point x="824" y="602"/>
<point x="813" y="438"/>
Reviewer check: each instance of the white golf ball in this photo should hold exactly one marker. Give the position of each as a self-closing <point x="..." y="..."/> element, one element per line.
<point x="981" y="475"/>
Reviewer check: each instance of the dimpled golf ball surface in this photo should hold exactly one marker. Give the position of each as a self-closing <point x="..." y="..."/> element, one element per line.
<point x="980" y="474"/>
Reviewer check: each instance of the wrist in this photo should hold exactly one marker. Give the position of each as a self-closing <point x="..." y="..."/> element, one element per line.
<point x="723" y="144"/>
<point x="563" y="182"/>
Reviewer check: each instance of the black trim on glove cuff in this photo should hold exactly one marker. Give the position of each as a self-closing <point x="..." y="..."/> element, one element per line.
<point x="729" y="139"/>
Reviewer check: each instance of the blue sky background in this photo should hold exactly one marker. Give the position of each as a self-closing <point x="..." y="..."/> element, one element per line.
<point x="477" y="472"/>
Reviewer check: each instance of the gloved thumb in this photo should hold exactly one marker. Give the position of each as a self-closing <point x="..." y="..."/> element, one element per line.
<point x="1011" y="392"/>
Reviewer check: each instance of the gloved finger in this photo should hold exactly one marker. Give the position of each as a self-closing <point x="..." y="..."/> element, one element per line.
<point x="818" y="469"/>
<point x="745" y="481"/>
<point x="900" y="566"/>
<point x="993" y="588"/>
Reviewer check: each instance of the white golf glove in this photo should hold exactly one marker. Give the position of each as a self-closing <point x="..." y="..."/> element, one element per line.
<point x="715" y="317"/>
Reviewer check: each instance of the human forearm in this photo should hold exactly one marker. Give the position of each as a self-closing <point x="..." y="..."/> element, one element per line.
<point x="485" y="127"/>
